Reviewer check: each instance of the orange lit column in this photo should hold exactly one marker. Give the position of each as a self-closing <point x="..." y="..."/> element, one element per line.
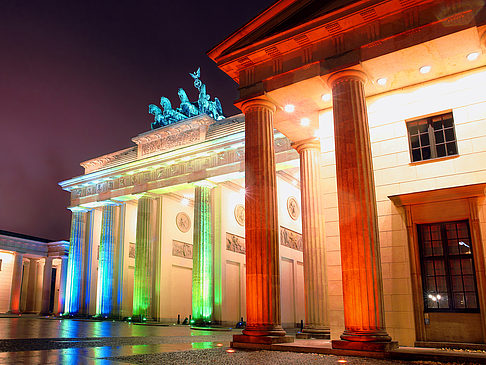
<point x="315" y="282"/>
<point x="262" y="243"/>
<point x="16" y="284"/>
<point x="46" y="287"/>
<point x="360" y="249"/>
<point x="31" y="286"/>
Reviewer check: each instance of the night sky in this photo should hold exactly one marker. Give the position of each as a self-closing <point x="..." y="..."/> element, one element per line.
<point x="76" y="78"/>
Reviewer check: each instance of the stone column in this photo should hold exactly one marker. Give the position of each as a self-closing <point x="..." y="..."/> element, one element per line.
<point x="104" y="304"/>
<point x="202" y="257"/>
<point x="74" y="282"/>
<point x="31" y="286"/>
<point x="364" y="316"/>
<point x="261" y="228"/>
<point x="62" y="285"/>
<point x="46" y="287"/>
<point x="315" y="280"/>
<point x="142" y="289"/>
<point x="16" y="284"/>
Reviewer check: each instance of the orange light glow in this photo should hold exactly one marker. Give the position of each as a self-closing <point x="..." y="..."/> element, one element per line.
<point x="230" y="351"/>
<point x="342" y="361"/>
<point x="219" y="344"/>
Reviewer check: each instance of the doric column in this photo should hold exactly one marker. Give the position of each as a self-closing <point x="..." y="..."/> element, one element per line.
<point x="46" y="287"/>
<point x="106" y="262"/>
<point x="31" y="286"/>
<point x="142" y="289"/>
<point x="16" y="284"/>
<point x="202" y="257"/>
<point x="62" y="284"/>
<point x="74" y="283"/>
<point x="261" y="228"/>
<point x="315" y="281"/>
<point x="364" y="316"/>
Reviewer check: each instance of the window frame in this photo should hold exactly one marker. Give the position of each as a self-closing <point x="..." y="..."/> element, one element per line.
<point x="431" y="136"/>
<point x="446" y="259"/>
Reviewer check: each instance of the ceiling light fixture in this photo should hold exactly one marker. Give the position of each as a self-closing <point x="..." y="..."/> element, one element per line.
<point x="326" y="97"/>
<point x="381" y="81"/>
<point x="425" y="69"/>
<point x="472" y="56"/>
<point x="305" y="122"/>
<point x="289" y="108"/>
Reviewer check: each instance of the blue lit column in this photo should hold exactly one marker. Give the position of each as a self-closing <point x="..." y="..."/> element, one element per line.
<point x="74" y="281"/>
<point x="104" y="302"/>
<point x="202" y="257"/>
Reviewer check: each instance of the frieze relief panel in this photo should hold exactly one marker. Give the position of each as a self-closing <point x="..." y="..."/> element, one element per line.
<point x="291" y="239"/>
<point x="181" y="249"/>
<point x="235" y="243"/>
<point x="216" y="159"/>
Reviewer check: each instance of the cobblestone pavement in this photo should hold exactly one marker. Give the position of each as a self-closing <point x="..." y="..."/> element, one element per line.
<point x="29" y="340"/>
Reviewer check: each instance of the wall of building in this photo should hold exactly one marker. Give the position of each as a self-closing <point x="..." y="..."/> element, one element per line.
<point x="6" y="280"/>
<point x="395" y="174"/>
<point x="292" y="301"/>
<point x="176" y="272"/>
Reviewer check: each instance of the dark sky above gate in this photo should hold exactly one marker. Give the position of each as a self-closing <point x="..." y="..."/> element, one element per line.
<point x="76" y="78"/>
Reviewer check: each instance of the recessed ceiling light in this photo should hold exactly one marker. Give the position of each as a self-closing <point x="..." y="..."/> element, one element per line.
<point x="326" y="97"/>
<point x="289" y="108"/>
<point x="473" y="56"/>
<point x="305" y="122"/>
<point x="381" y="81"/>
<point x="185" y="201"/>
<point x="425" y="69"/>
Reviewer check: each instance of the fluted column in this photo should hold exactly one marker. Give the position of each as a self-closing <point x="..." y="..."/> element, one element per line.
<point x="16" y="284"/>
<point x="364" y="316"/>
<point x="315" y="281"/>
<point x="202" y="257"/>
<point x="74" y="282"/>
<point x="31" y="286"/>
<point x="46" y="287"/>
<point x="142" y="290"/>
<point x="62" y="285"/>
<point x="261" y="227"/>
<point x="104" y="303"/>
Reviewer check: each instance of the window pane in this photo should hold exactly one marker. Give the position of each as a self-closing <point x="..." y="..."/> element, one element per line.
<point x="423" y="126"/>
<point x="426" y="153"/>
<point x="448" y="123"/>
<point x="443" y="300"/>
<point x="471" y="300"/>
<point x="449" y="134"/>
<point x="462" y="230"/>
<point x="424" y="140"/>
<point x="451" y="148"/>
<point x="441" y="283"/>
<point x="466" y="266"/>
<point x="468" y="283"/>
<point x="437" y="125"/>
<point x="415" y="141"/>
<point x="416" y="156"/>
<point x="451" y="230"/>
<point x="459" y="300"/>
<point x="457" y="283"/>
<point x="413" y="128"/>
<point x="441" y="150"/>
<point x="464" y="246"/>
<point x="455" y="267"/>
<point x="435" y="232"/>
<point x="439" y="136"/>
<point x="452" y="247"/>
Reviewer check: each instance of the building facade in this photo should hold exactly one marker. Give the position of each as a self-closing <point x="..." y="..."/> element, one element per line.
<point x="364" y="214"/>
<point x="32" y="274"/>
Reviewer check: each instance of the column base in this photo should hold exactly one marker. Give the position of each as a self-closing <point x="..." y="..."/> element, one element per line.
<point x="378" y="346"/>
<point x="318" y="333"/>
<point x="266" y="340"/>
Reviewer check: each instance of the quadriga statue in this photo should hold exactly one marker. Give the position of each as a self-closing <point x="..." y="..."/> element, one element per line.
<point x="187" y="108"/>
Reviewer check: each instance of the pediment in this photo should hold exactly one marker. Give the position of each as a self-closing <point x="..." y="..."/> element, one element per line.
<point x="282" y="16"/>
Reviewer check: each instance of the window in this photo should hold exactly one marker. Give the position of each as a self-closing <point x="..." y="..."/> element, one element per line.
<point x="449" y="280"/>
<point x="432" y="137"/>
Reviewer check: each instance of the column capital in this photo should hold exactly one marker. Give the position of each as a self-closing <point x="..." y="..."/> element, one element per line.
<point x="307" y="144"/>
<point x="482" y="39"/>
<point x="262" y="102"/>
<point x="346" y="75"/>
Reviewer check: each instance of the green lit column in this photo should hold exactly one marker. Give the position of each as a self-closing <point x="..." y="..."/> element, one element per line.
<point x="202" y="257"/>
<point x="142" y="290"/>
<point x="104" y="302"/>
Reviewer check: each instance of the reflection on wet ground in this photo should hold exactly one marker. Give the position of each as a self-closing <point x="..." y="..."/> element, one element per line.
<point x="29" y="340"/>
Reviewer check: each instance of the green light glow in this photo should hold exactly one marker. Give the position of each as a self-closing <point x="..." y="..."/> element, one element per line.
<point x="142" y="290"/>
<point x="202" y="269"/>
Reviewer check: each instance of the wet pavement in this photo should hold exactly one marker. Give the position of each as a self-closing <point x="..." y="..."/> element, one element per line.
<point x="34" y="340"/>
